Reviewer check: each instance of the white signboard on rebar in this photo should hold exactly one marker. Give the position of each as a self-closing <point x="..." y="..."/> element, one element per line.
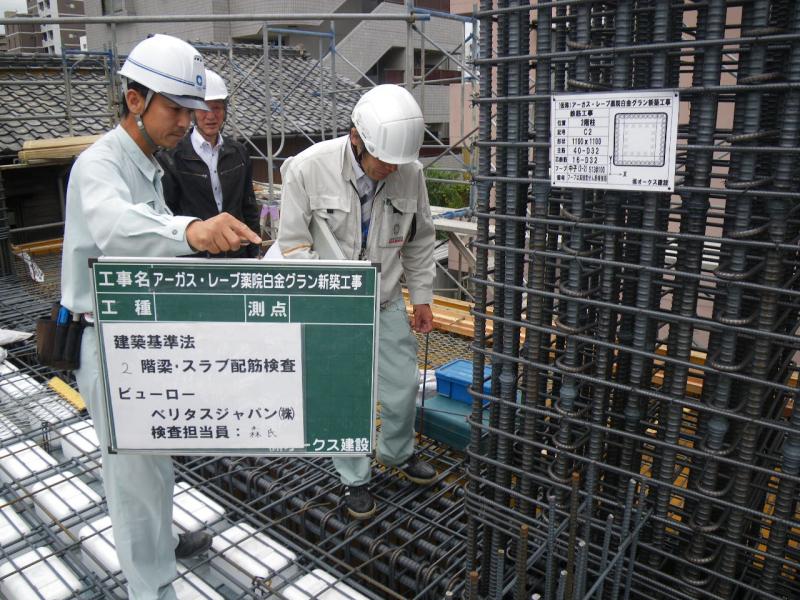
<point x="614" y="140"/>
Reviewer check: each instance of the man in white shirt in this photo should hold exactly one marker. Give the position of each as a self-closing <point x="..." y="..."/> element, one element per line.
<point x="206" y="173"/>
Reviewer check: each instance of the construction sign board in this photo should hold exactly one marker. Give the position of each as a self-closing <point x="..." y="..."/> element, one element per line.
<point x="238" y="356"/>
<point x="614" y="140"/>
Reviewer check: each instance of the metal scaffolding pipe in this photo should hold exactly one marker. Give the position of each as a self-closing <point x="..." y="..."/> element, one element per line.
<point x="236" y="18"/>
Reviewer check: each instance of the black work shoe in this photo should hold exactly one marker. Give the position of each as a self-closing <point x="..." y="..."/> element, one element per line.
<point x="417" y="471"/>
<point x="359" y="501"/>
<point x="191" y="544"/>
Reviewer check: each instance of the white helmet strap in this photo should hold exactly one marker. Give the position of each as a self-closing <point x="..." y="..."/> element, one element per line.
<point x="139" y="123"/>
<point x="145" y="135"/>
<point x="147" y="100"/>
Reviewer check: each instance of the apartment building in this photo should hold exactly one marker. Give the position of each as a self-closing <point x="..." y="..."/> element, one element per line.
<point x="50" y="38"/>
<point x="54" y="37"/>
<point x="21" y="38"/>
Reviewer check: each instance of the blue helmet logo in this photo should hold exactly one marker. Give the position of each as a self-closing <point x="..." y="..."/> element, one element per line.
<point x="199" y="80"/>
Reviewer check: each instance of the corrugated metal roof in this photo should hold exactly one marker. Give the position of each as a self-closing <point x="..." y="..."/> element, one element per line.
<point x="303" y="107"/>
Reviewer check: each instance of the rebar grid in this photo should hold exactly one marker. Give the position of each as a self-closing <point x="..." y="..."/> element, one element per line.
<point x="636" y="334"/>
<point x="23" y="300"/>
<point x="414" y="547"/>
<point x="442" y="347"/>
<point x="52" y="482"/>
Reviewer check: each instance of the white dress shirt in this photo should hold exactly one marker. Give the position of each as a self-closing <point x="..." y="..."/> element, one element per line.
<point x="210" y="156"/>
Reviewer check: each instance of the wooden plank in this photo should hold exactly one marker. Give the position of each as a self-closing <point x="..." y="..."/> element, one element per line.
<point x="450" y="315"/>
<point x="55" y="149"/>
<point x="79" y="140"/>
<point x="50" y="154"/>
<point x="40" y="247"/>
<point x="64" y="390"/>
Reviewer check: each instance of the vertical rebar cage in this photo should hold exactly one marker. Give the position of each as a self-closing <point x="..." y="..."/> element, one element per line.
<point x="642" y="436"/>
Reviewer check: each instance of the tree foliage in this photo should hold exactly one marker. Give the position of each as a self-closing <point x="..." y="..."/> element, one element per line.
<point x="451" y="195"/>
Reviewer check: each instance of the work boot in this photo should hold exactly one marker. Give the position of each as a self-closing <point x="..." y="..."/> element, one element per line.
<point x="417" y="471"/>
<point x="359" y="501"/>
<point x="191" y="544"/>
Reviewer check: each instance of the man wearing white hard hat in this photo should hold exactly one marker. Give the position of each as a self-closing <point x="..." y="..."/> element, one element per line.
<point x="115" y="207"/>
<point x="206" y="173"/>
<point x="369" y="189"/>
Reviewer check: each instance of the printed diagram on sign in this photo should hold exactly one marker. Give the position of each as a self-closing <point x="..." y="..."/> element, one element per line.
<point x="614" y="140"/>
<point x="640" y="139"/>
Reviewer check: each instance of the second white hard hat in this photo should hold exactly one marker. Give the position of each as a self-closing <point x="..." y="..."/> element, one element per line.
<point x="170" y="67"/>
<point x="215" y="86"/>
<point x="390" y="124"/>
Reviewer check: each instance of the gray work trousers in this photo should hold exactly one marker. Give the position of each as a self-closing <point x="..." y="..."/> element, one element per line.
<point x="138" y="489"/>
<point x="398" y="379"/>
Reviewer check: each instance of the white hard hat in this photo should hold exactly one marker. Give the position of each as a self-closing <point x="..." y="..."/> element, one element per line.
<point x="215" y="86"/>
<point x="390" y="124"/>
<point x="170" y="67"/>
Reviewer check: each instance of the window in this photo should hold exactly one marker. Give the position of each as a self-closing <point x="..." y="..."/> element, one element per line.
<point x="113" y="7"/>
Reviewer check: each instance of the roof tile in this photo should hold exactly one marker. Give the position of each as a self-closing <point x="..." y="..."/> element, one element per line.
<point x="302" y="108"/>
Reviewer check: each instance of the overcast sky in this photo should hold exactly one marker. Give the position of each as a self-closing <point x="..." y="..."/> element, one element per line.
<point x="18" y="5"/>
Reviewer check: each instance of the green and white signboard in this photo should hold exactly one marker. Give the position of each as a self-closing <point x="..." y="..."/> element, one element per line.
<point x="238" y="356"/>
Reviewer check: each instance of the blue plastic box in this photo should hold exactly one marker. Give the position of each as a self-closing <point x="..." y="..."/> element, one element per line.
<point x="453" y="378"/>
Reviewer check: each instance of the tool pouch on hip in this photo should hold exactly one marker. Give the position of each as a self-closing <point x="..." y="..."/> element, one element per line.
<point x="58" y="339"/>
